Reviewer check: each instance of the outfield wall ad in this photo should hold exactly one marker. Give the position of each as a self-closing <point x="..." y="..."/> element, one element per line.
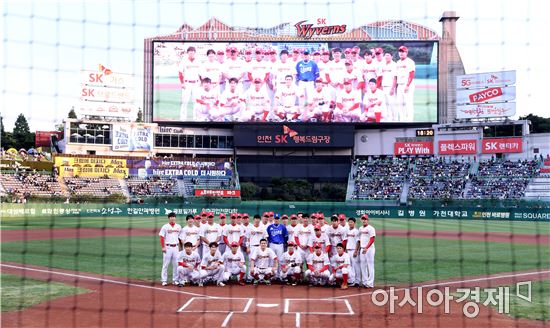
<point x="417" y="212"/>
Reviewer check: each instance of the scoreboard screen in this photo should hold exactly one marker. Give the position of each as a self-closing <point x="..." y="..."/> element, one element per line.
<point x="306" y="82"/>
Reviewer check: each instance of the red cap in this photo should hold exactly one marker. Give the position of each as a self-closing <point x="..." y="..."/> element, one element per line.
<point x="316" y="245"/>
<point x="266" y="214"/>
<point x="364" y="216"/>
<point x="326" y="52"/>
<point x="403" y="48"/>
<point x="293" y="216"/>
<point x="313" y="215"/>
<point x="257" y="80"/>
<point x="210" y="214"/>
<point x="342" y="216"/>
<point x="260" y="50"/>
<point x="248" y="51"/>
<point x="222" y="216"/>
<point x="291" y="243"/>
<point x="347" y="81"/>
<point x="197" y="216"/>
<point x="233" y="244"/>
<point x="245" y="215"/>
<point x="348" y="50"/>
<point x="380" y="50"/>
<point x="233" y="215"/>
<point x="350" y="62"/>
<point x="321" y="215"/>
<point x="271" y="213"/>
<point x="316" y="53"/>
<point x="356" y="48"/>
<point x="203" y="213"/>
<point x="284" y="216"/>
<point x="220" y="52"/>
<point x="317" y="227"/>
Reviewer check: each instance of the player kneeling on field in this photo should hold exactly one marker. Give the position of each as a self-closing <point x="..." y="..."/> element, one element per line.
<point x="188" y="263"/>
<point x="291" y="265"/>
<point x="340" y="267"/>
<point x="318" y="272"/>
<point x="259" y="263"/>
<point x="234" y="264"/>
<point x="212" y="266"/>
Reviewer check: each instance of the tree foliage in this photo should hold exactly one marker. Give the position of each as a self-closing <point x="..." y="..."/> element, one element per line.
<point x="538" y="124"/>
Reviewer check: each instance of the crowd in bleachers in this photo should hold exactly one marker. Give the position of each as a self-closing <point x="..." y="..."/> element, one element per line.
<point x="24" y="184"/>
<point x="503" y="179"/>
<point x="153" y="186"/>
<point x="434" y="178"/>
<point x="380" y="178"/>
<point x="99" y="187"/>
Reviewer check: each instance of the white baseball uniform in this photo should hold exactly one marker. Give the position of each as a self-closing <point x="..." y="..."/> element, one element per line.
<point x="405" y="100"/>
<point x="188" y="267"/>
<point x="211" y="233"/>
<point x="318" y="262"/>
<point x="212" y="260"/>
<point x="377" y="99"/>
<point x="292" y="263"/>
<point x="370" y="71"/>
<point x="171" y="244"/>
<point x="389" y="74"/>
<point x="319" y="102"/>
<point x="230" y="106"/>
<point x="257" y="103"/>
<point x="190" y="234"/>
<point x="234" y="265"/>
<point x="367" y="260"/>
<point x="206" y="104"/>
<point x="255" y="235"/>
<point x="337" y="235"/>
<point x="348" y="100"/>
<point x="323" y="239"/>
<point x="352" y="237"/>
<point x="304" y="234"/>
<point x="337" y="262"/>
<point x="288" y="102"/>
<point x="212" y="70"/>
<point x="233" y="233"/>
<point x="261" y="261"/>
<point x="191" y="82"/>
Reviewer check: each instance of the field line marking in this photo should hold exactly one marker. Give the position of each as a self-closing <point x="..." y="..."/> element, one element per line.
<point x="248" y="304"/>
<point x="349" y="307"/>
<point x="298" y="320"/>
<point x="186" y="304"/>
<point x="226" y="321"/>
<point x="457" y="282"/>
<point x="103" y="279"/>
<point x="287" y="303"/>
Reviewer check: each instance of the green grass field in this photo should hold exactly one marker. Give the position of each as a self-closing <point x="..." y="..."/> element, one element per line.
<point x="19" y="293"/>
<point x="519" y="227"/>
<point x="537" y="309"/>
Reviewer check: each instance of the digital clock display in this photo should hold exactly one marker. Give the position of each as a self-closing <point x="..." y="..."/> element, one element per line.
<point x="425" y="133"/>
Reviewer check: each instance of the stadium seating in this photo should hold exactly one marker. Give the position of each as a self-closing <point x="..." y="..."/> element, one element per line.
<point x="99" y="187"/>
<point x="435" y="178"/>
<point x="31" y="183"/>
<point x="153" y="186"/>
<point x="379" y="178"/>
<point x="206" y="183"/>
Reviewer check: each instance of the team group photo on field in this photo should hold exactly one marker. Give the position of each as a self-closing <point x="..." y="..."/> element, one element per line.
<point x="320" y="164"/>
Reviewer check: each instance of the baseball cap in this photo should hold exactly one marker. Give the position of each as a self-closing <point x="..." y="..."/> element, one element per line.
<point x="347" y="81"/>
<point x="347" y="51"/>
<point x="336" y="50"/>
<point x="356" y="48"/>
<point x="291" y="243"/>
<point x="266" y="214"/>
<point x="210" y="214"/>
<point x="326" y="52"/>
<point x="378" y="50"/>
<point x="316" y="53"/>
<point x="220" y="52"/>
<point x="342" y="216"/>
<point x="319" y="80"/>
<point x="316" y="245"/>
<point x="317" y="227"/>
<point x="348" y="62"/>
<point x="293" y="216"/>
<point x="295" y="51"/>
<point x="234" y="244"/>
<point x="245" y="215"/>
<point x="259" y="50"/>
<point x="222" y="215"/>
<point x="284" y="216"/>
<point x="197" y="216"/>
<point x="364" y="216"/>
<point x="257" y="80"/>
<point x="271" y="213"/>
<point x="203" y="213"/>
<point x="306" y="52"/>
<point x="276" y="216"/>
<point x="248" y="52"/>
<point x="403" y="49"/>
<point x="233" y="215"/>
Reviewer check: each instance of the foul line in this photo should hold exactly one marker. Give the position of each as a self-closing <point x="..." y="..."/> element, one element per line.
<point x="443" y="284"/>
<point x="226" y="321"/>
<point x="104" y="280"/>
<point x="297" y="319"/>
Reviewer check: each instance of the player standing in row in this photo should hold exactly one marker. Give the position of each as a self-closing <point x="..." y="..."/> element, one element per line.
<point x="389" y="86"/>
<point x="234" y="264"/>
<point x="405" y="70"/>
<point x="319" y="238"/>
<point x="367" y="252"/>
<point x="353" y="235"/>
<point x="277" y="237"/>
<point x="169" y="241"/>
<point x="263" y="264"/>
<point x="210" y="233"/>
<point x="307" y="72"/>
<point x="289" y="100"/>
<point x="190" y="233"/>
<point x="336" y="233"/>
<point x="188" y="266"/>
<point x="233" y="232"/>
<point x="302" y="236"/>
<point x="189" y="80"/>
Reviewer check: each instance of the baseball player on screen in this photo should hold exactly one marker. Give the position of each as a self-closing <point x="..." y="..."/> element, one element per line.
<point x="318" y="264"/>
<point x="347" y="104"/>
<point x="320" y="103"/>
<point x="374" y="104"/>
<point x="405" y="70"/>
<point x="258" y="103"/>
<point x="307" y="72"/>
<point x="288" y="100"/>
<point x="291" y="265"/>
<point x="234" y="264"/>
<point x="212" y="267"/>
<point x="367" y="252"/>
<point x="169" y="241"/>
<point x="212" y="70"/>
<point x="231" y="104"/>
<point x="260" y="264"/>
<point x="188" y="264"/>
<point x="389" y="85"/>
<point x="189" y="79"/>
<point x="302" y="237"/>
<point x="206" y="102"/>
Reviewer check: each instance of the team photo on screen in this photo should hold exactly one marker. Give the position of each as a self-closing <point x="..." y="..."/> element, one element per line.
<point x="356" y="82"/>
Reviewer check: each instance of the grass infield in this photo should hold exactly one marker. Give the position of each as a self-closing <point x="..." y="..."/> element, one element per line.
<point x="19" y="293"/>
<point x="398" y="260"/>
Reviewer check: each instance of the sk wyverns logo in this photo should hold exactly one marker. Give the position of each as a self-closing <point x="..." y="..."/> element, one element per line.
<point x="307" y="31"/>
<point x="287" y="132"/>
<point x="104" y="70"/>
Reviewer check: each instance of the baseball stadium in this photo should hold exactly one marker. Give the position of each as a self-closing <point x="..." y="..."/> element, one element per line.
<point x="309" y="174"/>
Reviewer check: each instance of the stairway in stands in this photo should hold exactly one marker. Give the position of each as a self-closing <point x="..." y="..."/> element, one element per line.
<point x="124" y="187"/>
<point x="539" y="187"/>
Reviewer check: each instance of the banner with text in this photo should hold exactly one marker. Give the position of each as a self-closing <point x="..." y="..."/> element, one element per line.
<point x="413" y="148"/>
<point x="486" y="110"/>
<point x="93" y="172"/>
<point x="457" y="147"/>
<point x="502" y="145"/>
<point x="485" y="80"/>
<point x="134" y="137"/>
<point x="181" y="168"/>
<point x="490" y="95"/>
<point x="217" y="193"/>
<point x="89" y="161"/>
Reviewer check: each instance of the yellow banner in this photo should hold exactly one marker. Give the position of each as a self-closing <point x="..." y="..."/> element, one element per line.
<point x="93" y="172"/>
<point x="89" y="161"/>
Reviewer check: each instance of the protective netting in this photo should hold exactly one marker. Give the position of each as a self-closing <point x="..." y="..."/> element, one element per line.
<point x="375" y="239"/>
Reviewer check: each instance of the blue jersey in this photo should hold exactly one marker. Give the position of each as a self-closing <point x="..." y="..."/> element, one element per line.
<point x="277" y="233"/>
<point x="307" y="71"/>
